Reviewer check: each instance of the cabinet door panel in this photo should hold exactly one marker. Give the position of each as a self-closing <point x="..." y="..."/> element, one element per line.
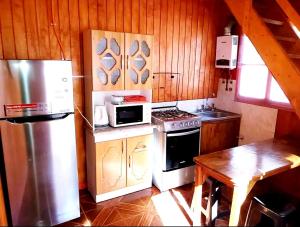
<point x="219" y="135"/>
<point x="138" y="71"/>
<point x="139" y="164"/>
<point x="107" y="57"/>
<point x="111" y="166"/>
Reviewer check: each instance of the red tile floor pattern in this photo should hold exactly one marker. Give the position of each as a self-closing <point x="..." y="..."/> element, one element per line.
<point x="148" y="207"/>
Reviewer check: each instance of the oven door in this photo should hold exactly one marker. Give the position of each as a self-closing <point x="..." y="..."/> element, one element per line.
<point x="129" y="114"/>
<point x="181" y="147"/>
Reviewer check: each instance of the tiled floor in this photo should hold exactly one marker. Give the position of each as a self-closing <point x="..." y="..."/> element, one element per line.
<point x="148" y="207"/>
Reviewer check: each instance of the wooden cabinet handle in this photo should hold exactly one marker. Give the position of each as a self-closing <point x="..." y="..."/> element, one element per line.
<point x="129" y="161"/>
<point x="121" y="61"/>
<point x="127" y="60"/>
<point x="136" y="150"/>
<point x="240" y="137"/>
<point x="140" y="146"/>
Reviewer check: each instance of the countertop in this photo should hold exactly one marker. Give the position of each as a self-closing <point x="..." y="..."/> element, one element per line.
<point x="109" y="133"/>
<point x="213" y="119"/>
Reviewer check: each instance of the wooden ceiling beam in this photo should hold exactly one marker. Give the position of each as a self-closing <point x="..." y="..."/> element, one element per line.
<point x="290" y="11"/>
<point x="277" y="60"/>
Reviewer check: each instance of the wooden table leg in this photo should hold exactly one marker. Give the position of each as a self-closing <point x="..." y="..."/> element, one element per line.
<point x="197" y="196"/>
<point x="240" y="193"/>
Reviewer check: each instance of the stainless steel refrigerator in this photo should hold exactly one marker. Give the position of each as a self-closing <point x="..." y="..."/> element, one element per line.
<point x="38" y="150"/>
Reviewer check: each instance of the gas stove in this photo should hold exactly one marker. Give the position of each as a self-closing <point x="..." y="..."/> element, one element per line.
<point x="173" y="119"/>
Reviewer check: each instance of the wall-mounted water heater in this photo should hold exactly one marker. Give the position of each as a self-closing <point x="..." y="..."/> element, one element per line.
<point x="226" y="52"/>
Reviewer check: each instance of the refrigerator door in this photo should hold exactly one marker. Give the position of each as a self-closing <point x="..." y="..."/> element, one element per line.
<point x="35" y="87"/>
<point x="41" y="171"/>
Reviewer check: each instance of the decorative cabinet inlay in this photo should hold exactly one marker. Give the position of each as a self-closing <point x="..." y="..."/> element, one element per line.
<point x="115" y="76"/>
<point x="101" y="46"/>
<point x="115" y="46"/>
<point x="134" y="46"/>
<point x="133" y="76"/>
<point x="145" y="76"/>
<point x="118" y="61"/>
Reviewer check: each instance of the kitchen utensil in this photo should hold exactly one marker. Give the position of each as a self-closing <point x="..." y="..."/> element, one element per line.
<point x="100" y="116"/>
<point x="117" y="99"/>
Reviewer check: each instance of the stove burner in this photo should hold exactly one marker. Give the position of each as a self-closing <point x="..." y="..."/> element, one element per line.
<point x="172" y="114"/>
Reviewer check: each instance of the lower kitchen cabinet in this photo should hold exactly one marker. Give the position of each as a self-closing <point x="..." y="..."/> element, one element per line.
<point x="219" y="135"/>
<point x="118" y="167"/>
<point x="110" y="166"/>
<point x="138" y="169"/>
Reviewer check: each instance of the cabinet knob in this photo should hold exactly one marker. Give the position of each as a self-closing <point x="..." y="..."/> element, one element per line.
<point x="240" y="137"/>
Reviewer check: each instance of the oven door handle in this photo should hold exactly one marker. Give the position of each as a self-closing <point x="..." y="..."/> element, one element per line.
<point x="183" y="133"/>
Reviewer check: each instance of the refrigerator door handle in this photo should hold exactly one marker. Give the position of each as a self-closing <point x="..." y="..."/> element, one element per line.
<point x="34" y="119"/>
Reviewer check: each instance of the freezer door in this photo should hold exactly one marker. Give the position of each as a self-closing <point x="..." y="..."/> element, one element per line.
<point x="41" y="171"/>
<point x="35" y="87"/>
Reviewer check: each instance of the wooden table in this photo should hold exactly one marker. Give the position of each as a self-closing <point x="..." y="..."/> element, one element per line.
<point x="240" y="168"/>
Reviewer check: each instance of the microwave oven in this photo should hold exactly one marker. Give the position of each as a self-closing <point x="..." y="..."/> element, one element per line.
<point x="129" y="114"/>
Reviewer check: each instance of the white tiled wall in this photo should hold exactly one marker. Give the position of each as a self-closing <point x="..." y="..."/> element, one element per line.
<point x="187" y="105"/>
<point x="258" y="123"/>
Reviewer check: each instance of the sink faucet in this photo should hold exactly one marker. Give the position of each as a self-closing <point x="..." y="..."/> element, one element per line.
<point x="207" y="107"/>
<point x="210" y="108"/>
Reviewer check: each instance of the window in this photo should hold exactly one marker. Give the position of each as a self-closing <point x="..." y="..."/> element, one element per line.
<point x="255" y="83"/>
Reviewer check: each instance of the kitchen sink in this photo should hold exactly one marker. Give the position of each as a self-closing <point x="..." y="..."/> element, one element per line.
<point x="215" y="114"/>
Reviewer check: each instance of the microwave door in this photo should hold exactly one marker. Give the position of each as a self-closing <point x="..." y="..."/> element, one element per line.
<point x="129" y="114"/>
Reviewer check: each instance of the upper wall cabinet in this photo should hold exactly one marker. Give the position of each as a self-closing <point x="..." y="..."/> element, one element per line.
<point x="107" y="60"/>
<point x="117" y="61"/>
<point x="138" y="73"/>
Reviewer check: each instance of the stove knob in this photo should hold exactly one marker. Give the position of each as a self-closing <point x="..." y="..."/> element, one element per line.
<point x="173" y="125"/>
<point x="196" y="122"/>
<point x="181" y="125"/>
<point x="191" y="123"/>
<point x="186" y="124"/>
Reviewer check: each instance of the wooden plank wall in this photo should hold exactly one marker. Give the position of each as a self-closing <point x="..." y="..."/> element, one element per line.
<point x="184" y="41"/>
<point x="287" y="125"/>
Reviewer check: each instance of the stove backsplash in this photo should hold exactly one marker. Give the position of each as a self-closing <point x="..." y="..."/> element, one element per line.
<point x="186" y="105"/>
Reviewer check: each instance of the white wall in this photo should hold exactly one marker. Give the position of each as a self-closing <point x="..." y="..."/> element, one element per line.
<point x="186" y="105"/>
<point x="258" y="123"/>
